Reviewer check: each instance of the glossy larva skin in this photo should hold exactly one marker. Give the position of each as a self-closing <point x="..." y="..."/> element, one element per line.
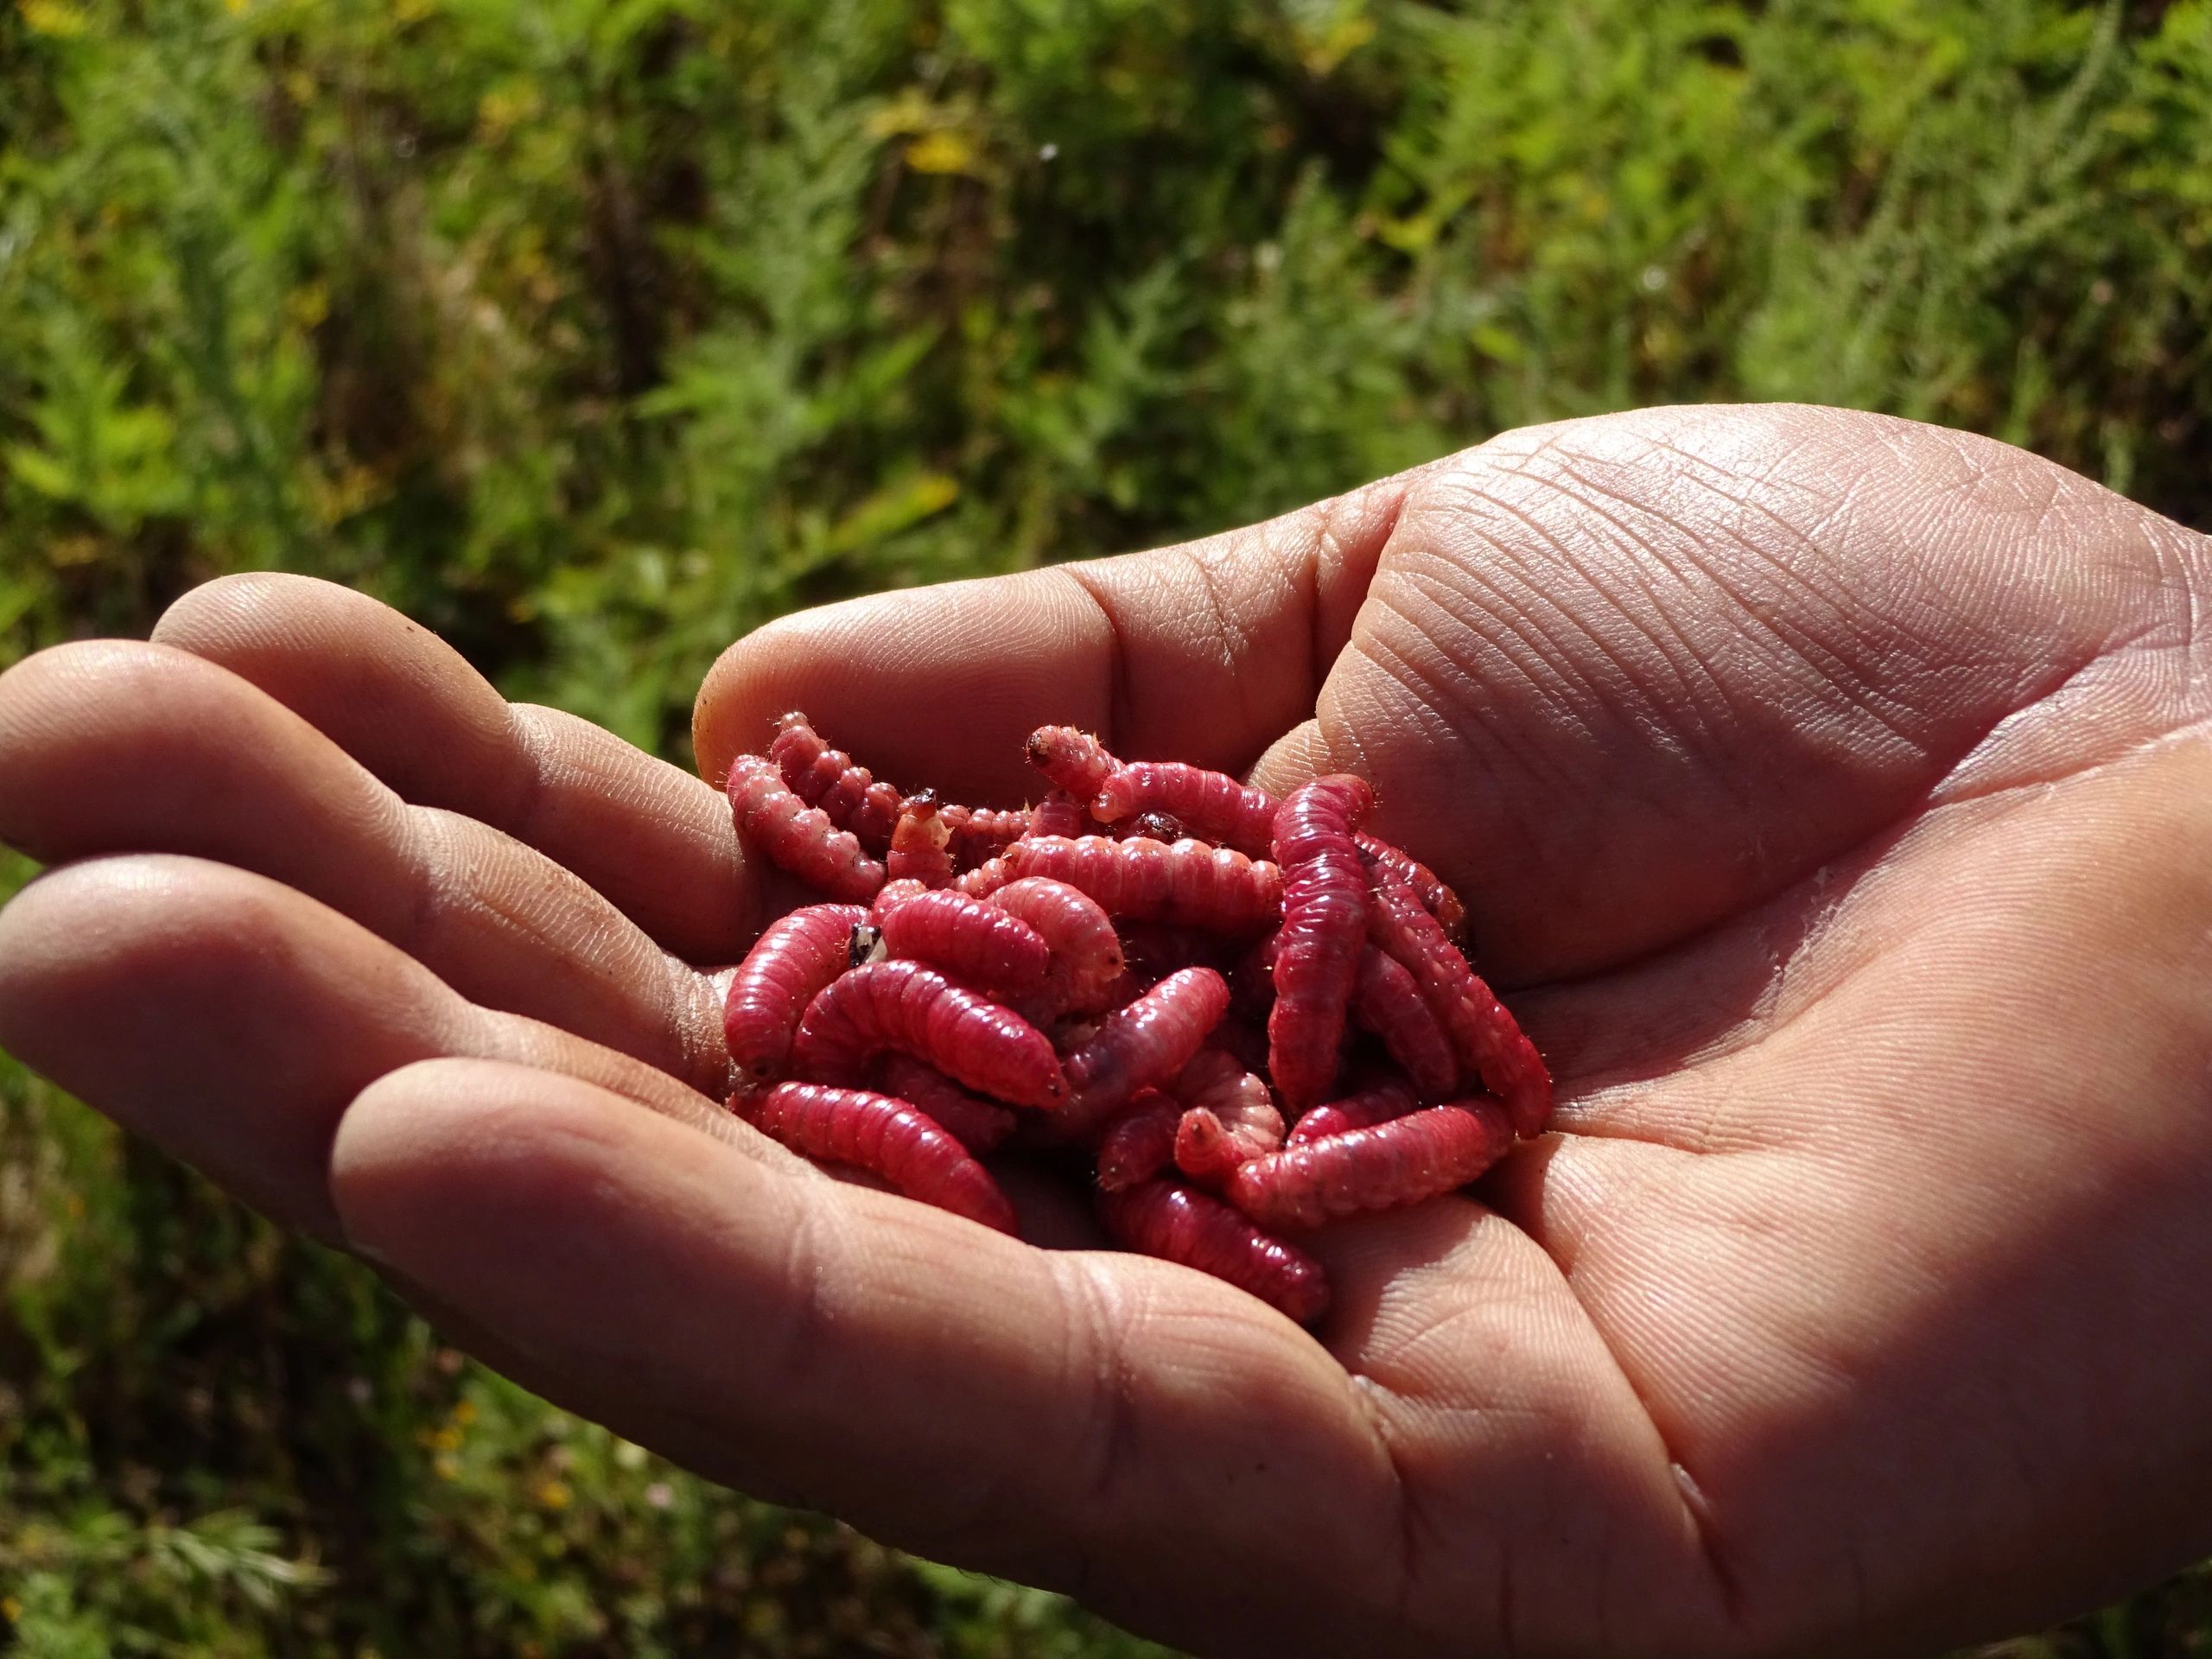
<point x="921" y="844"/>
<point x="1209" y="805"/>
<point x="1387" y="1001"/>
<point x="1167" y="1218"/>
<point x="848" y="794"/>
<point x="1229" y="1116"/>
<point x="1324" y="931"/>
<point x="1143" y="1044"/>
<point x="979" y="834"/>
<point x="892" y="895"/>
<point x="1382" y="859"/>
<point x="1070" y="760"/>
<point x="1083" y="953"/>
<point x="973" y="941"/>
<point x="1488" y="1040"/>
<point x="785" y="969"/>
<point x="1378" y="1100"/>
<point x="912" y="1007"/>
<point x="1139" y="1142"/>
<point x="796" y="837"/>
<point x="884" y="1135"/>
<point x="1059" y="814"/>
<point x="1386" y="1167"/>
<point x="1213" y="888"/>
<point x="979" y="1125"/>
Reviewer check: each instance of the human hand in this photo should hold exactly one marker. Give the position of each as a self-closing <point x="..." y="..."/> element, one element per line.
<point x="1827" y="784"/>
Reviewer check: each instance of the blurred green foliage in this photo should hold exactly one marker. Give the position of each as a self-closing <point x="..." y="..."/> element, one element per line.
<point x="593" y="332"/>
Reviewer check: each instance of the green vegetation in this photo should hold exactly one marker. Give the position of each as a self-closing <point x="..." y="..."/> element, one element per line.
<point x="595" y="332"/>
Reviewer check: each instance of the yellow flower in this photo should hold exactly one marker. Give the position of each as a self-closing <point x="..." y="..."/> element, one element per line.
<point x="556" y="1495"/>
<point x="55" y="17"/>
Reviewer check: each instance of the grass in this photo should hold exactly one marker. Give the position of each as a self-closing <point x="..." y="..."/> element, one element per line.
<point x="595" y="332"/>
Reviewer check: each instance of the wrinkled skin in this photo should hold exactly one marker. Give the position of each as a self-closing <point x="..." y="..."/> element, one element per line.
<point x="1833" y="793"/>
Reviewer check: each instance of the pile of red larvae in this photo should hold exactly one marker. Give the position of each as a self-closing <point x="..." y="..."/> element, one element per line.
<point x="1253" y="1017"/>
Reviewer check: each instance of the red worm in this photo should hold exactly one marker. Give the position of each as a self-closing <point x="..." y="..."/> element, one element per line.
<point x="912" y="1007"/>
<point x="797" y="838"/>
<point x="891" y="895"/>
<point x="1385" y="1167"/>
<point x="1436" y="898"/>
<point x="1146" y="1043"/>
<point x="1323" y="929"/>
<point x="1387" y="1001"/>
<point x="1214" y="887"/>
<point x="1139" y="1142"/>
<point x="921" y="843"/>
<point x="874" y="1132"/>
<point x="1165" y="1218"/>
<point x="1073" y="760"/>
<point x="1229" y="1117"/>
<point x="1084" y="952"/>
<point x="1487" y="1038"/>
<point x="981" y="833"/>
<point x="787" y="967"/>
<point x="1059" y="814"/>
<point x="1211" y="806"/>
<point x="975" y="942"/>
<point x="977" y="1124"/>
<point x="827" y="778"/>
<point x="1378" y="1100"/>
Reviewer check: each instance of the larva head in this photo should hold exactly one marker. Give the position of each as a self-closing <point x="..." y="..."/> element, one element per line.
<point x="866" y="945"/>
<point x="1160" y="826"/>
<point x="791" y="720"/>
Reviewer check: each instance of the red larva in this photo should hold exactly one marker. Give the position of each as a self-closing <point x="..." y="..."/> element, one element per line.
<point x="1387" y="1001"/>
<point x="912" y="1007"/>
<point x="888" y="1137"/>
<point x="1146" y="1043"/>
<point x="785" y="969"/>
<point x="921" y="843"/>
<point x="1323" y="929"/>
<point x="1084" y="953"/>
<point x="1156" y="949"/>
<point x="1167" y="1218"/>
<point x="827" y="778"/>
<point x="1211" y="806"/>
<point x="1386" y="1167"/>
<point x="891" y="895"/>
<point x="1487" y="1038"/>
<point x="979" y="834"/>
<point x="1397" y="865"/>
<point x="797" y="838"/>
<point x="1214" y="887"/>
<point x="1059" y="814"/>
<point x="976" y="943"/>
<point x="1072" y="760"/>
<point x="977" y="1124"/>
<point x="1229" y="1117"/>
<point x="1378" y="1101"/>
<point x="1139" y="1142"/>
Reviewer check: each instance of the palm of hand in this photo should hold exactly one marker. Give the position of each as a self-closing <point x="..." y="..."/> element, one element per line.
<point x="1824" y="779"/>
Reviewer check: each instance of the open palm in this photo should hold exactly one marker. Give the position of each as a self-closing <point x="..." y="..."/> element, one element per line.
<point x="1831" y="788"/>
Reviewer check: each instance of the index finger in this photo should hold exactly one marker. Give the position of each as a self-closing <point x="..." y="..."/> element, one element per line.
<point x="1206" y="652"/>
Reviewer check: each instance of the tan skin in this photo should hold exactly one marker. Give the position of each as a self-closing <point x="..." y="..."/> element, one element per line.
<point x="1836" y="791"/>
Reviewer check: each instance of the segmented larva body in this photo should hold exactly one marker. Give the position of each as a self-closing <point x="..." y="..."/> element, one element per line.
<point x="976" y="943"/>
<point x="1324" y="931"/>
<point x="1083" y="952"/>
<point x="1059" y="814"/>
<point x="786" y="968"/>
<point x="1487" y="1039"/>
<point x="1139" y="1142"/>
<point x="1378" y="1100"/>
<point x="1211" y="806"/>
<point x="1387" y="1001"/>
<point x="797" y="838"/>
<point x="827" y="778"/>
<point x="921" y="844"/>
<point x="1400" y="866"/>
<point x="1072" y="760"/>
<point x="978" y="1124"/>
<point x="1214" y="887"/>
<point x="912" y="1007"/>
<point x="1386" y="1167"/>
<point x="1144" y="1044"/>
<point x="979" y="834"/>
<point x="1167" y="1218"/>
<point x="876" y="1133"/>
<point x="891" y="895"/>
<point x="1229" y="1117"/>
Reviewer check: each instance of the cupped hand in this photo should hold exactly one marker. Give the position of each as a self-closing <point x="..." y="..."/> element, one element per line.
<point x="1833" y="791"/>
